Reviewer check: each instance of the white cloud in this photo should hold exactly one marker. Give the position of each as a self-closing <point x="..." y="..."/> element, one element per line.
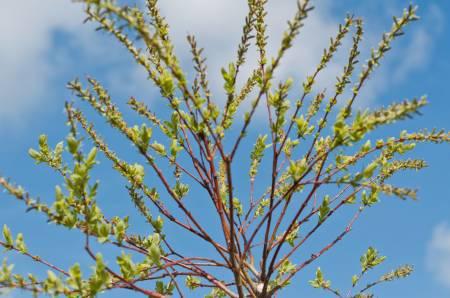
<point x="411" y="53"/>
<point x="217" y="25"/>
<point x="416" y="55"/>
<point x="26" y="42"/>
<point x="25" y="45"/>
<point x="438" y="254"/>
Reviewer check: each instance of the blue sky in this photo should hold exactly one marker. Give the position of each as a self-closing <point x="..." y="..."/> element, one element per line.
<point x="44" y="44"/>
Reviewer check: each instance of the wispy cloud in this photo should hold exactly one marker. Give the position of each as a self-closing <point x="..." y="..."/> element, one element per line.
<point x="438" y="254"/>
<point x="217" y="25"/>
<point x="409" y="54"/>
<point x="26" y="43"/>
<point x="416" y="54"/>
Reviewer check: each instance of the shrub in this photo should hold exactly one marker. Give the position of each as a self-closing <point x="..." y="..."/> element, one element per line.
<point x="311" y="151"/>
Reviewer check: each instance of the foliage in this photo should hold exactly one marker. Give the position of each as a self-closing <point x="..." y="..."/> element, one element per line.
<point x="316" y="166"/>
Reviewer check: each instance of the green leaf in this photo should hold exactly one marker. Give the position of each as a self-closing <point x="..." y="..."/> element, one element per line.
<point x="75" y="277"/>
<point x="35" y="155"/>
<point x="104" y="230"/>
<point x="366" y="147"/>
<point x="369" y="170"/>
<point x="7" y="236"/>
<point x="324" y="209"/>
<point x="155" y="253"/>
<point x="53" y="283"/>
<point x="351" y="200"/>
<point x="292" y="236"/>
<point x="101" y="278"/>
<point x="145" y="136"/>
<point x="58" y="193"/>
<point x="237" y="205"/>
<point x="286" y="267"/>
<point x="319" y="281"/>
<point x="181" y="190"/>
<point x="303" y="127"/>
<point x="228" y="77"/>
<point x="257" y="154"/>
<point x="166" y="84"/>
<point x="216" y="293"/>
<point x="192" y="282"/>
<point x="355" y="280"/>
<point x="120" y="229"/>
<point x="159" y="148"/>
<point x="161" y="288"/>
<point x="297" y="168"/>
<point x="43" y="141"/>
<point x="369" y="200"/>
<point x="371" y="259"/>
<point x="158" y="224"/>
<point x="127" y="267"/>
<point x="57" y="153"/>
<point x="20" y="243"/>
<point x="90" y="160"/>
<point x="72" y="144"/>
<point x="136" y="173"/>
<point x="175" y="148"/>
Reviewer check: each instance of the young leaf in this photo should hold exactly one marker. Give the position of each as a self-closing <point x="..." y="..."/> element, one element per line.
<point x="324" y="209"/>
<point x="371" y="259"/>
<point x="20" y="243"/>
<point x="7" y="236"/>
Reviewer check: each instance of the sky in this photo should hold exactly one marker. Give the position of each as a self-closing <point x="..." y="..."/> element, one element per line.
<point x="44" y="44"/>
